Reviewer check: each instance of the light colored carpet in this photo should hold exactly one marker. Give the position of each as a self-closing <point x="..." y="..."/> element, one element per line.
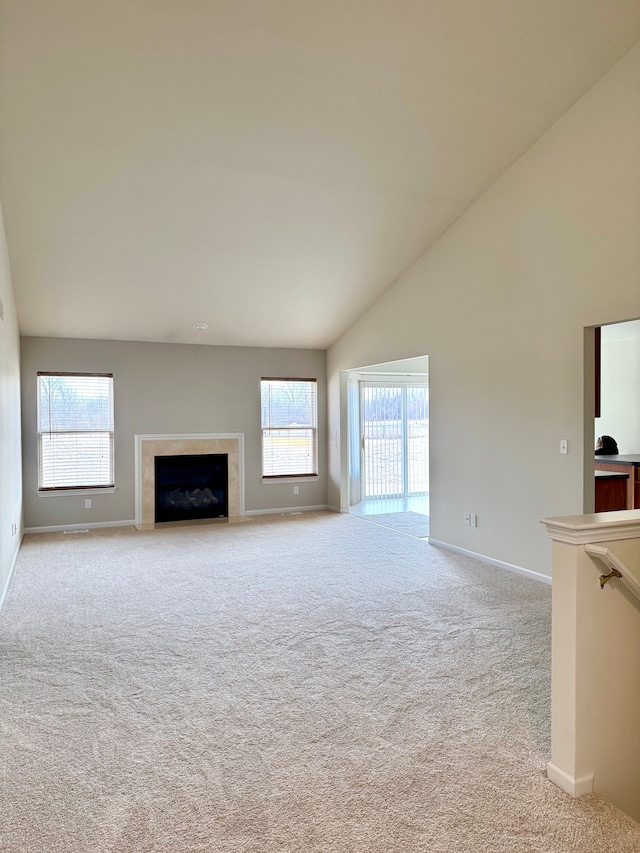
<point x="309" y="683"/>
<point x="411" y="523"/>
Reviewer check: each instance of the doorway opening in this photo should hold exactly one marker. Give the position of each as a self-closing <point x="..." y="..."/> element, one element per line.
<point x="389" y="438"/>
<point x="616" y="425"/>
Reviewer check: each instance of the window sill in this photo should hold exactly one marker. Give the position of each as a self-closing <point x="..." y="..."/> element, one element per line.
<point x="63" y="493"/>
<point x="275" y="480"/>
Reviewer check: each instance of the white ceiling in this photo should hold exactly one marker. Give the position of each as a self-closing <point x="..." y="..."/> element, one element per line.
<point x="266" y="166"/>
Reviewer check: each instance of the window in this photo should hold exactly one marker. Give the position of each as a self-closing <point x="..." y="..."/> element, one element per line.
<point x="289" y="427"/>
<point x="75" y="431"/>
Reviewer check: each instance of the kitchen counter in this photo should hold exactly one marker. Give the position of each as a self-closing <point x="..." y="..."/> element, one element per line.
<point x="623" y="459"/>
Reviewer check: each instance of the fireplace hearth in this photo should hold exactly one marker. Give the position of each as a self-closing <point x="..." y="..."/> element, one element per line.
<point x="191" y="486"/>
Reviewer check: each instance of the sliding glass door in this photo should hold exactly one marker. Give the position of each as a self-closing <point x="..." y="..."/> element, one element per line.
<point x="395" y="438"/>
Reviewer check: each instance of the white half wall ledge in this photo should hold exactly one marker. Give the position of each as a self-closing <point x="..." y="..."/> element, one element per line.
<point x="510" y="567"/>
<point x="594" y="527"/>
<point x="578" y="786"/>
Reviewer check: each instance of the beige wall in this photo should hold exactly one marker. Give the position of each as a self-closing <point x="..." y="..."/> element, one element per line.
<point x="168" y="388"/>
<point x="10" y="455"/>
<point x="499" y="304"/>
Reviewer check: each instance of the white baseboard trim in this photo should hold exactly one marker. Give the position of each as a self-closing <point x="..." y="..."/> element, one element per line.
<point x="519" y="570"/>
<point x="3" y="593"/>
<point x="56" y="528"/>
<point x="285" y="510"/>
<point x="337" y="509"/>
<point x="577" y="787"/>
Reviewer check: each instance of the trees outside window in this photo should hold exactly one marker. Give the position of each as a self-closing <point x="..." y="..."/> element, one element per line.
<point x="75" y="431"/>
<point x="289" y="427"/>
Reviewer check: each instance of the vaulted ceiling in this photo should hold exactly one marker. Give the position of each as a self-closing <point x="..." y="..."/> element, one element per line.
<point x="267" y="167"/>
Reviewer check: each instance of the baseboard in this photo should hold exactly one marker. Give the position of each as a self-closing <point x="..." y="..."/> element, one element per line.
<point x="56" y="528"/>
<point x="4" y="592"/>
<point x="337" y="509"/>
<point x="577" y="787"/>
<point x="519" y="570"/>
<point x="282" y="510"/>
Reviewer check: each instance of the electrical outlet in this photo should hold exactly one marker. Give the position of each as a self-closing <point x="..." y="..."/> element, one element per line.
<point x="87" y="503"/>
<point x="474" y="519"/>
<point x="296" y="490"/>
<point x="564" y="446"/>
<point x="467" y="518"/>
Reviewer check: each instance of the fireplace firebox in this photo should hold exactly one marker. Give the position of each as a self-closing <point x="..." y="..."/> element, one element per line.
<point x="190" y="487"/>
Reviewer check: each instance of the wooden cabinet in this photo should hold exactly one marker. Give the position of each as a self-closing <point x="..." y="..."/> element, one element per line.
<point x="611" y="491"/>
<point x="629" y="468"/>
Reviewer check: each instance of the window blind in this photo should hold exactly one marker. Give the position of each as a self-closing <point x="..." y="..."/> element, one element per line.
<point x="289" y="427"/>
<point x="75" y="431"/>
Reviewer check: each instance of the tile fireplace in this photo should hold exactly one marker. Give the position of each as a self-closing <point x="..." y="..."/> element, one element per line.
<point x="149" y="447"/>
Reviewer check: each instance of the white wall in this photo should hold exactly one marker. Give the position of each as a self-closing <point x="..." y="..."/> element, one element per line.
<point x="499" y="304"/>
<point x="10" y="455"/>
<point x="169" y="388"/>
<point x="620" y="391"/>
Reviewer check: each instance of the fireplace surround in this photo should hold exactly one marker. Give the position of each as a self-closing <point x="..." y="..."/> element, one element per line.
<point x="147" y="447"/>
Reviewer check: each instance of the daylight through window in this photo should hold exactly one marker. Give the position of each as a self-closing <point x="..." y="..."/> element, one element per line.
<point x="289" y="427"/>
<point x="75" y="431"/>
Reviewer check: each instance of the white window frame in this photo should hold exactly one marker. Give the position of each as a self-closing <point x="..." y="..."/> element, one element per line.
<point x="77" y="488"/>
<point x="290" y="475"/>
